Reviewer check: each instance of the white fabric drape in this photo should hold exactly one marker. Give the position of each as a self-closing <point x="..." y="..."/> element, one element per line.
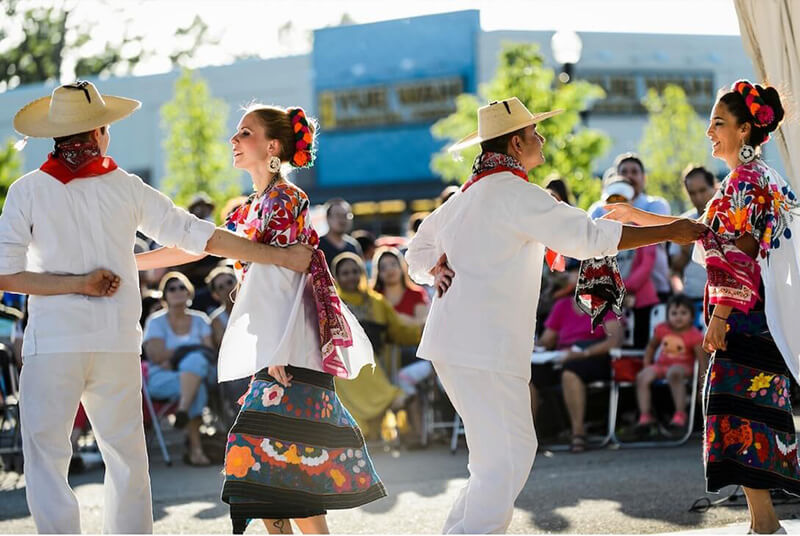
<point x="770" y="32"/>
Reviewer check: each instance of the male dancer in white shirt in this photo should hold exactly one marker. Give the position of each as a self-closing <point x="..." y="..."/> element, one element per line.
<point x="479" y="334"/>
<point x="76" y="214"/>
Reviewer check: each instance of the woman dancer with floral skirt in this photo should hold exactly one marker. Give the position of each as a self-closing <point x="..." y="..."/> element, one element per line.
<point x="753" y="264"/>
<point x="294" y="451"/>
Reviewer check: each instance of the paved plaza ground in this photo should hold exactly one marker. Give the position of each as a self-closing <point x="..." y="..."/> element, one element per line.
<point x="600" y="491"/>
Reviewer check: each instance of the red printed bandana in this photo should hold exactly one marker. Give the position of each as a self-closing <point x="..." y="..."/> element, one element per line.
<point x="77" y="161"/>
<point x="489" y="163"/>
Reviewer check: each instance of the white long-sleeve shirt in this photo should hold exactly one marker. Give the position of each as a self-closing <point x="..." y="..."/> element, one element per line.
<point x="494" y="235"/>
<point x="74" y="228"/>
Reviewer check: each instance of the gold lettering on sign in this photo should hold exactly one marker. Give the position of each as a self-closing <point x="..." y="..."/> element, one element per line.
<point x="407" y="102"/>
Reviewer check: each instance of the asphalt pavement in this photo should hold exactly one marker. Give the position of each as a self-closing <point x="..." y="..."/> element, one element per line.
<point x="599" y="491"/>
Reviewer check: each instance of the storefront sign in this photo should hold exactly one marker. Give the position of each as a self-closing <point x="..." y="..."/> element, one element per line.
<point x="420" y="101"/>
<point x="625" y="90"/>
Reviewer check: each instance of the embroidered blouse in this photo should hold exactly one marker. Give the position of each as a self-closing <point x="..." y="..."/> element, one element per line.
<point x="280" y="217"/>
<point x="748" y="202"/>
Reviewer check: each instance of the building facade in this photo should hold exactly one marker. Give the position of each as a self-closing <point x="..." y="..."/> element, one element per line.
<point x="377" y="89"/>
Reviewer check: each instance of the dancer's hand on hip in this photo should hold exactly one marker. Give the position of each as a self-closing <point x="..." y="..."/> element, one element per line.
<point x="279" y="373"/>
<point x="442" y="276"/>
<point x="100" y="283"/>
<point x="715" y="335"/>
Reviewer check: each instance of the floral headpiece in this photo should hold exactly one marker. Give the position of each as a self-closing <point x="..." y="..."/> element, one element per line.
<point x="304" y="149"/>
<point x="762" y="113"/>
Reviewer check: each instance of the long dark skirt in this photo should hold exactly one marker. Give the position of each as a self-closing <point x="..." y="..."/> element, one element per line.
<point x="750" y="438"/>
<point x="295" y="452"/>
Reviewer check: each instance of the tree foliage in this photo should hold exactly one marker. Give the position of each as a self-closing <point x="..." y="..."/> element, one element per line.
<point x="51" y="39"/>
<point x="570" y="150"/>
<point x="673" y="138"/>
<point x="10" y="168"/>
<point x="198" y="155"/>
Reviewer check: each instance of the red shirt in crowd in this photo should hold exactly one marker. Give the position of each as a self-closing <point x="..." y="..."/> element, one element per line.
<point x="411" y="298"/>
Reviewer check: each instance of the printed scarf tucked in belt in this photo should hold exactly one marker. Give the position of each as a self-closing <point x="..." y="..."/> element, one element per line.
<point x="488" y="163"/>
<point x="77" y="161"/>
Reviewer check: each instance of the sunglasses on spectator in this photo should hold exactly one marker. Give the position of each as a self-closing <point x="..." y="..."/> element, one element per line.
<point x="175" y="288"/>
<point x="225" y="283"/>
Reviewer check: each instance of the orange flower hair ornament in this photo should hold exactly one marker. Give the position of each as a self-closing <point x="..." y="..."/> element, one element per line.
<point x="305" y="148"/>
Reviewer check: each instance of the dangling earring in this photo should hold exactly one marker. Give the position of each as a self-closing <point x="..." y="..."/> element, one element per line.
<point x="274" y="164"/>
<point x="746" y="154"/>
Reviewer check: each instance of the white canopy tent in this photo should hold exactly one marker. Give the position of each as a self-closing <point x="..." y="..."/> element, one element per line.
<point x="771" y="36"/>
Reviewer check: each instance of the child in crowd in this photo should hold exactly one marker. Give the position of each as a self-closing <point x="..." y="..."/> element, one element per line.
<point x="670" y="354"/>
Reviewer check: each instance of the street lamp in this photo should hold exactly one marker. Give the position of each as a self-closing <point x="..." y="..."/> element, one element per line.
<point x="566" y="46"/>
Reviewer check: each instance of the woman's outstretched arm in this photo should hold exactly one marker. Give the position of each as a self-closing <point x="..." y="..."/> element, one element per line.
<point x="164" y="257"/>
<point x="224" y="243"/>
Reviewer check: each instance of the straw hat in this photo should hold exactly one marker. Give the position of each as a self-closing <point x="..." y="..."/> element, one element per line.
<point x="72" y="109"/>
<point x="498" y="118"/>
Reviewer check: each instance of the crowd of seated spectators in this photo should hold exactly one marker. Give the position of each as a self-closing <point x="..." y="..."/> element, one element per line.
<point x="659" y="275"/>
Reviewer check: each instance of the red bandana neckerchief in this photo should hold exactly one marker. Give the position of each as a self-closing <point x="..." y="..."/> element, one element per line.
<point x="77" y="161"/>
<point x="489" y="163"/>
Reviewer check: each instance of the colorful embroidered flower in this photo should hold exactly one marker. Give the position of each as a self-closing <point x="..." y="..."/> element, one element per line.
<point x="238" y="461"/>
<point x="339" y="479"/>
<point x="761" y="381"/>
<point x="272" y="395"/>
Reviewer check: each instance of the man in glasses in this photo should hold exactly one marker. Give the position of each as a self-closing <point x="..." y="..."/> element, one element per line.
<point x="340" y="222"/>
<point x="78" y="213"/>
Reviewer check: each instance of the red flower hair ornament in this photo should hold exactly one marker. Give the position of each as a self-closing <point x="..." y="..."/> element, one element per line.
<point x="305" y="147"/>
<point x="762" y="113"/>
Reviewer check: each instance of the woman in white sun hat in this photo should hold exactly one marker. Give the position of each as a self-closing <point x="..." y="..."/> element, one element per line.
<point x="479" y="334"/>
<point x="79" y="212"/>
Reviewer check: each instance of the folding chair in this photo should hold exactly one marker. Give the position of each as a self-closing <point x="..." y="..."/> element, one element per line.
<point x="593" y="442"/>
<point x="431" y="396"/>
<point x="152" y="416"/>
<point x="10" y="425"/>
<point x="657" y="316"/>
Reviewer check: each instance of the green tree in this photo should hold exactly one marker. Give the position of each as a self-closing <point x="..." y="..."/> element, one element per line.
<point x="51" y="38"/>
<point x="10" y="168"/>
<point x="569" y="151"/>
<point x="198" y="156"/>
<point x="673" y="138"/>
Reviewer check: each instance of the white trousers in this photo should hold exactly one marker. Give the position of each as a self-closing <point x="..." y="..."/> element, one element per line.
<point x="496" y="412"/>
<point x="110" y="387"/>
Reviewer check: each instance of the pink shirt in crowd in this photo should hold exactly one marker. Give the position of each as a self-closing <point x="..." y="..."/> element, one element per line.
<point x="677" y="348"/>
<point x="639" y="284"/>
<point x="573" y="326"/>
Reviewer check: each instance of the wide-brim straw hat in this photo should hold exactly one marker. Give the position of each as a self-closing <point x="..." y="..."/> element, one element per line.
<point x="498" y="118"/>
<point x="72" y="109"/>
